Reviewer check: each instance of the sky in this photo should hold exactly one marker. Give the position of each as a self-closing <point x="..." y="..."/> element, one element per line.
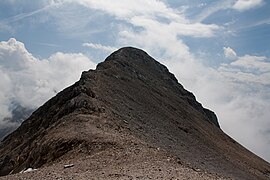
<point x="218" y="49"/>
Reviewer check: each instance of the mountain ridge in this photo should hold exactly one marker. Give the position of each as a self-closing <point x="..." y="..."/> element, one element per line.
<point x="130" y="101"/>
<point x="130" y="54"/>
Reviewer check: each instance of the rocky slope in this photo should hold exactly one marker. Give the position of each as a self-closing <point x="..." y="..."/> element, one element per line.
<point x="129" y="118"/>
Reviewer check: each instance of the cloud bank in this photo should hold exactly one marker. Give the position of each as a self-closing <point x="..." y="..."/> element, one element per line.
<point x="242" y="5"/>
<point x="29" y="81"/>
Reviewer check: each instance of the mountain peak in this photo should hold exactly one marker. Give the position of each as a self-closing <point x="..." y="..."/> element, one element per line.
<point x="129" y="53"/>
<point x="132" y="112"/>
<point x="129" y="57"/>
<point x="133" y="63"/>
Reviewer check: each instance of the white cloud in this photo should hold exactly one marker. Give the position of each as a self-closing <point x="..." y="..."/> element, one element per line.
<point x="5" y="85"/>
<point x="184" y="29"/>
<point x="229" y="53"/>
<point x="213" y="8"/>
<point x="248" y="78"/>
<point x="30" y="81"/>
<point x="126" y="9"/>
<point x="145" y="16"/>
<point x="246" y="117"/>
<point x="100" y="47"/>
<point x="149" y="39"/>
<point x="246" y="69"/>
<point x="246" y="113"/>
<point x="146" y="13"/>
<point x="242" y="5"/>
<point x="257" y="63"/>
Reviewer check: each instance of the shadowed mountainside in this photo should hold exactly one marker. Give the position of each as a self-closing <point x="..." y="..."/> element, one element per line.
<point x="129" y="102"/>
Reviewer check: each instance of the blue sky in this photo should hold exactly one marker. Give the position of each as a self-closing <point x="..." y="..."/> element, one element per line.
<point x="217" y="49"/>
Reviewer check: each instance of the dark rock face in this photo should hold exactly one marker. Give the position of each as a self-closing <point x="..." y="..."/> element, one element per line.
<point x="129" y="95"/>
<point x="139" y="65"/>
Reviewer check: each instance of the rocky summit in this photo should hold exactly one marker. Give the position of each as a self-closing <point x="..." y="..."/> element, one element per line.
<point x="128" y="119"/>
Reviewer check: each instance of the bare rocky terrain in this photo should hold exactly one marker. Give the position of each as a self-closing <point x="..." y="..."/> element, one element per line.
<point x="128" y="119"/>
